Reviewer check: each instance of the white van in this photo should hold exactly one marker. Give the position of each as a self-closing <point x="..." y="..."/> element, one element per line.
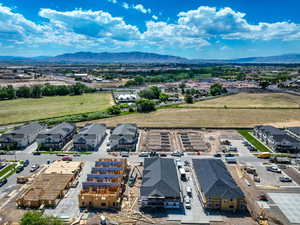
<point x="187" y="202"/>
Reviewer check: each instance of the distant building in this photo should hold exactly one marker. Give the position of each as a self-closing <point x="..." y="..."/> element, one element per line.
<point x="124" y="98"/>
<point x="124" y="137"/>
<point x="218" y="189"/>
<point x="90" y="137"/>
<point x="277" y="139"/>
<point x="160" y="185"/>
<point x="21" y="137"/>
<point x="56" y="137"/>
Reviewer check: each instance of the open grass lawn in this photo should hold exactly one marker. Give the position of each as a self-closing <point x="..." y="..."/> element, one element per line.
<point x="209" y="118"/>
<point x="259" y="146"/>
<point x="7" y="169"/>
<point x="20" y="110"/>
<point x="251" y="100"/>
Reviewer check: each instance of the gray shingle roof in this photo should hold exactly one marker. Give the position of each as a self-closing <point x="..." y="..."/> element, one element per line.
<point x="63" y="129"/>
<point x="215" y="180"/>
<point x="24" y="130"/>
<point x="91" y="131"/>
<point x="294" y="130"/>
<point x="160" y="178"/>
<point x="125" y="131"/>
<point x="270" y="130"/>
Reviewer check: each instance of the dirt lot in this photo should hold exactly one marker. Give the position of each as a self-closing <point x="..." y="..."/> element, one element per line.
<point x="209" y="118"/>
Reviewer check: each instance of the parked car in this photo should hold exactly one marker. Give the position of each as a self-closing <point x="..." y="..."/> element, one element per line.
<point x="34" y="167"/>
<point x="2" y="165"/>
<point x="187" y="202"/>
<point x="233" y="149"/>
<point x="143" y="154"/>
<point x="163" y="155"/>
<point x="217" y="155"/>
<point x="153" y="154"/>
<point x="177" y="154"/>
<point x="125" y="154"/>
<point x="262" y="197"/>
<point x="19" y="169"/>
<point x="189" y="191"/>
<point x="3" y="181"/>
<point x="273" y="169"/>
<point x="67" y="158"/>
<point x="26" y="163"/>
<point x="256" y="179"/>
<point x="36" y="153"/>
<point x="285" y="179"/>
<point x="76" y="155"/>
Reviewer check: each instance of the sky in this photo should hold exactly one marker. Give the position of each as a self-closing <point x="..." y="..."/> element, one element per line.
<point x="201" y="29"/>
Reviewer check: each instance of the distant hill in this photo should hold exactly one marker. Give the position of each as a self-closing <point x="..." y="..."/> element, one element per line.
<point x="121" y="57"/>
<point x="141" y="57"/>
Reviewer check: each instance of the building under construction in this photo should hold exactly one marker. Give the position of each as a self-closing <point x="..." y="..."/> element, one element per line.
<point x="158" y="140"/>
<point x="193" y="141"/>
<point x="50" y="187"/>
<point x="105" y="185"/>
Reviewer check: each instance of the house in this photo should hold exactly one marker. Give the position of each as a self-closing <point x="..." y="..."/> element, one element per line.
<point x="294" y="132"/>
<point x="124" y="137"/>
<point x="90" y="137"/>
<point x="21" y="137"/>
<point x="217" y="187"/>
<point x="105" y="185"/>
<point x="125" y="98"/>
<point x="56" y="137"/>
<point x="276" y="139"/>
<point x="160" y="185"/>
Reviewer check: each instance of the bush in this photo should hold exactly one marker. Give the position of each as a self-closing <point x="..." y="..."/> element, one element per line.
<point x="114" y="110"/>
<point x="189" y="99"/>
<point x="37" y="218"/>
<point x="145" y="105"/>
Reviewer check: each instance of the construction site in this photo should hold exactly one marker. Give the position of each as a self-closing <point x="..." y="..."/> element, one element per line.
<point x="105" y="185"/>
<point x="193" y="141"/>
<point x="50" y="187"/>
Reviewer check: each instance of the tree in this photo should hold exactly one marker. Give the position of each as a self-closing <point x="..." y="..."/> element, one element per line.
<point x="264" y="84"/>
<point x="189" y="99"/>
<point x="182" y="87"/>
<point x="217" y="89"/>
<point x="36" y="91"/>
<point x="11" y="92"/>
<point x="145" y="105"/>
<point x="163" y="97"/>
<point x="37" y="218"/>
<point x="24" y="92"/>
<point x="78" y="88"/>
<point x="156" y="91"/>
<point x="114" y="110"/>
<point x="150" y="93"/>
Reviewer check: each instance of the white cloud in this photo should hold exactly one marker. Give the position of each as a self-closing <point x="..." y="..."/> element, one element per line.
<point x="98" y="29"/>
<point x="154" y="17"/>
<point x="125" y="5"/>
<point x="113" y="1"/>
<point x="141" y="8"/>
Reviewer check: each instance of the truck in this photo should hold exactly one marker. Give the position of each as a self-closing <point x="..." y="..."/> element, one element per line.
<point x="182" y="174"/>
<point x="22" y="179"/>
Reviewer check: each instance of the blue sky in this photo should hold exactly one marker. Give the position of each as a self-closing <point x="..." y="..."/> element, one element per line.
<point x="188" y="28"/>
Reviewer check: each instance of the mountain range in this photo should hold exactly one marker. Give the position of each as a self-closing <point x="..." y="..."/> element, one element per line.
<point x="141" y="57"/>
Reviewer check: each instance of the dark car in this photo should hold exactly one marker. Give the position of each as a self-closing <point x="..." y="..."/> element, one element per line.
<point x="19" y="169"/>
<point x="67" y="158"/>
<point x="36" y="153"/>
<point x="177" y="154"/>
<point x="163" y="155"/>
<point x="3" y="181"/>
<point x="26" y="163"/>
<point x="125" y="154"/>
<point x="218" y="155"/>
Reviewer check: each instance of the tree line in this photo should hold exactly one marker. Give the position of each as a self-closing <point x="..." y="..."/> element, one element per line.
<point x="38" y="91"/>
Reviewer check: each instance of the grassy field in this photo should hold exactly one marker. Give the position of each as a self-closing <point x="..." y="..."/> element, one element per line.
<point x="251" y="100"/>
<point x="20" y="110"/>
<point x="259" y="146"/>
<point x="210" y="118"/>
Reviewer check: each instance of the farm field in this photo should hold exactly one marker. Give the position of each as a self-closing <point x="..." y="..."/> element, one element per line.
<point x="250" y="100"/>
<point x="210" y="118"/>
<point x="20" y="110"/>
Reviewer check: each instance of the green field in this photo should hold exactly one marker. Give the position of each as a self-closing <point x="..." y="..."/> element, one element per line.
<point x="250" y="100"/>
<point x="7" y="169"/>
<point x="259" y="146"/>
<point x="21" y="110"/>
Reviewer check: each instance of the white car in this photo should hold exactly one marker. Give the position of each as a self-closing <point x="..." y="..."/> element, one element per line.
<point x="187" y="202"/>
<point x="189" y="191"/>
